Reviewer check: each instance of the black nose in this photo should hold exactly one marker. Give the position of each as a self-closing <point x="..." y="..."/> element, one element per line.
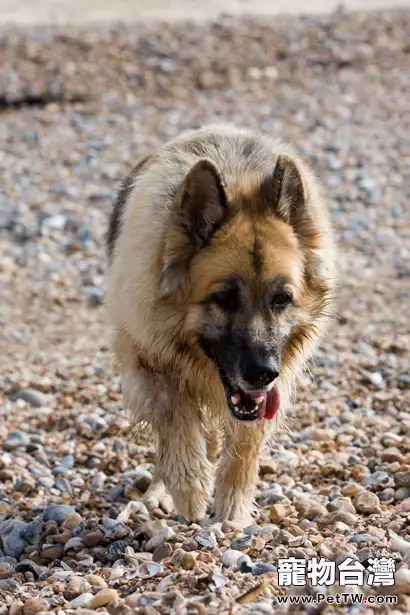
<point x="259" y="375"/>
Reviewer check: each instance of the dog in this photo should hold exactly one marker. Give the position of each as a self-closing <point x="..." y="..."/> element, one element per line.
<point x="220" y="286"/>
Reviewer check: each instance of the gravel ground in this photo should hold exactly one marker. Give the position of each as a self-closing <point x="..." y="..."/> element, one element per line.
<point x="79" y="106"/>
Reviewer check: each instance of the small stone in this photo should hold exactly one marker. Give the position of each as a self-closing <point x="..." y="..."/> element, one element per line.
<point x="35" y="605"/>
<point x="104" y="597"/>
<point x="5" y="509"/>
<point x="188" y="561"/>
<point x="6" y="570"/>
<point x="267" y="466"/>
<point x="96" y="581"/>
<point x="206" y="538"/>
<point x="205" y="557"/>
<point x="162" y="552"/>
<point x="386" y="496"/>
<point x="258" y="543"/>
<point x="152" y="527"/>
<point x="359" y="538"/>
<point x="75" y="587"/>
<point x="92" y="539"/>
<point x="98" y="481"/>
<point x="279" y="512"/>
<point x="95" y="295"/>
<point x="159" y="538"/>
<point x="59" y="513"/>
<point x="402" y="479"/>
<point x="403" y="493"/>
<point x="244" y="563"/>
<point x="33" y="397"/>
<point x="230" y="558"/>
<point x="142" y="480"/>
<point x="344" y="504"/>
<point x="366" y="503"/>
<point x="63" y="485"/>
<point x="351" y="489"/>
<point x="391" y="455"/>
<point x="337" y="516"/>
<point x="53" y="553"/>
<point x="230" y="526"/>
<point x="16" y="439"/>
<point x="288" y="458"/>
<point x="400" y="545"/>
<point x="402" y="581"/>
<point x="16" y="608"/>
<point x="115" y="550"/>
<point x="244" y="542"/>
<point x="263" y="568"/>
<point x="28" y="565"/>
<point x="81" y="601"/>
<point x="147" y="570"/>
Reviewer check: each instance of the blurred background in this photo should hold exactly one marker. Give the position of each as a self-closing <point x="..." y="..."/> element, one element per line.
<point x="86" y="90"/>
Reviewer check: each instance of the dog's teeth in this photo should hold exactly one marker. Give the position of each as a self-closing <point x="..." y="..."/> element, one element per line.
<point x="235" y="399"/>
<point x="260" y="399"/>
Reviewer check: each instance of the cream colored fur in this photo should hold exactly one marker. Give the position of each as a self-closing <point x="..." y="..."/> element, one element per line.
<point x="188" y="411"/>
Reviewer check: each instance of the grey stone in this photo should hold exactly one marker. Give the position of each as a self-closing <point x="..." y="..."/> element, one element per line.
<point x="58" y="512"/>
<point x="206" y="538"/>
<point x="33" y="397"/>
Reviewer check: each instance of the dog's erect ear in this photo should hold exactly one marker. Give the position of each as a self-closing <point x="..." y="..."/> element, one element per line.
<point x="202" y="203"/>
<point x="284" y="191"/>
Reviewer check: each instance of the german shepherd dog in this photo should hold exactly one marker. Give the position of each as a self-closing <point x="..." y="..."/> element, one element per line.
<point x="221" y="277"/>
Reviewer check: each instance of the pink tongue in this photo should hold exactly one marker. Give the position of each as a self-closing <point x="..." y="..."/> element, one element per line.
<point x="272" y="403"/>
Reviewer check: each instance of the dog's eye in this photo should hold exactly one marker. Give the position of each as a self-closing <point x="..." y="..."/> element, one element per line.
<point x="281" y="300"/>
<point x="226" y="299"/>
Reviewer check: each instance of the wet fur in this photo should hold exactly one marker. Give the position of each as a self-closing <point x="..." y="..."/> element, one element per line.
<point x="159" y="281"/>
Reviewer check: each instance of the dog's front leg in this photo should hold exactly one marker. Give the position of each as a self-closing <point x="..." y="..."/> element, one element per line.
<point x="182" y="464"/>
<point x="237" y="474"/>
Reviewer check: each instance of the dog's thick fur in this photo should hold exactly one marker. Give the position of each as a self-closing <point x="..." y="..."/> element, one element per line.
<point x="212" y="205"/>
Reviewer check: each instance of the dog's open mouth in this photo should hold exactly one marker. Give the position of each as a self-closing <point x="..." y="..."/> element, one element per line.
<point x="253" y="405"/>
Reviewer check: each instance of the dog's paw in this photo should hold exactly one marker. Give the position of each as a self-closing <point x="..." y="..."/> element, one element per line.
<point x="191" y="504"/>
<point x="233" y="505"/>
<point x="157" y="496"/>
<point x="191" y="496"/>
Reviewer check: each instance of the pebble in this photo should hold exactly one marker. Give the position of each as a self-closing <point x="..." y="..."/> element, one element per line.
<point x="58" y="513"/>
<point x="244" y="542"/>
<point x="402" y="479"/>
<point x="366" y="502"/>
<point x="104" y="597"/>
<point x="230" y="558"/>
<point x="16" y="439"/>
<point x="279" y="512"/>
<point x="402" y="581"/>
<point x="81" y="601"/>
<point x="206" y="538"/>
<point x="75" y="587"/>
<point x="400" y="545"/>
<point x="159" y="538"/>
<point x="35" y="605"/>
<point x="28" y="565"/>
<point x="162" y="552"/>
<point x="33" y="397"/>
<point x="16" y="535"/>
<point x="96" y="581"/>
<point x="263" y="568"/>
<point x="188" y="561"/>
<point x="115" y="550"/>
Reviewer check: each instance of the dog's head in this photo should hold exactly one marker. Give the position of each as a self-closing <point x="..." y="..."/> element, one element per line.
<point x="246" y="264"/>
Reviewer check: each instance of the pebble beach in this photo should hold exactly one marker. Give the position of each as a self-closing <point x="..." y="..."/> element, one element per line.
<point x="79" y="106"/>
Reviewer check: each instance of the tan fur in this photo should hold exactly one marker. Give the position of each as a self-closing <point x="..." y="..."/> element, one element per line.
<point x="155" y="291"/>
